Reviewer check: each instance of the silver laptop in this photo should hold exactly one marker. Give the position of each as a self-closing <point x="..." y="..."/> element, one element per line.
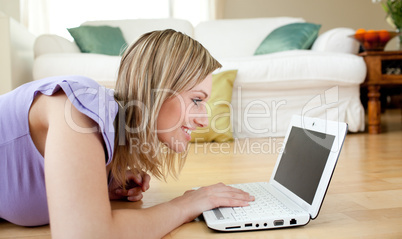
<point x="298" y="184"/>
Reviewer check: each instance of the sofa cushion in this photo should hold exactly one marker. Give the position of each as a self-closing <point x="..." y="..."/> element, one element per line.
<point x="219" y="110"/>
<point x="337" y="40"/>
<point x="134" y="28"/>
<point x="237" y="37"/>
<point x="99" y="39"/>
<point x="289" y="37"/>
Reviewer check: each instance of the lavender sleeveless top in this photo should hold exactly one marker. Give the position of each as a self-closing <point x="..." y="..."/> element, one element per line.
<point x="22" y="181"/>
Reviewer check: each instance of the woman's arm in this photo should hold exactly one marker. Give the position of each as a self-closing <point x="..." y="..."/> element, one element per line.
<point x="76" y="184"/>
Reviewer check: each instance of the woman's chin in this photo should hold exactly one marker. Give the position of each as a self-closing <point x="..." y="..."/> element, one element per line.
<point x="177" y="146"/>
<point x="180" y="148"/>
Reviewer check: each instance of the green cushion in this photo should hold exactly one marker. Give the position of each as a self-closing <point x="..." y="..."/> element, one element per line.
<point x="99" y="39"/>
<point x="289" y="37"/>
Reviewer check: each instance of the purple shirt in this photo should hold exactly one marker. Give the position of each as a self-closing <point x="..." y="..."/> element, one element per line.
<point x="22" y="180"/>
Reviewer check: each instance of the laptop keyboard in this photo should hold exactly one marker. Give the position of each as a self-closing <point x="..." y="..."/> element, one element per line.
<point x="265" y="204"/>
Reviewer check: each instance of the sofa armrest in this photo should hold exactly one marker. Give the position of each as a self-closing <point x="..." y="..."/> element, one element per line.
<point x="336" y="40"/>
<point x="99" y="67"/>
<point x="48" y="43"/>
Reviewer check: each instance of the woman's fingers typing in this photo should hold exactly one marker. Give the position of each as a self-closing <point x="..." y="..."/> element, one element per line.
<point x="222" y="195"/>
<point x="194" y="202"/>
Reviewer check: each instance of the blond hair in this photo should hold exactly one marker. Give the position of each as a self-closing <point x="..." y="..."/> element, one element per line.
<point x="157" y="64"/>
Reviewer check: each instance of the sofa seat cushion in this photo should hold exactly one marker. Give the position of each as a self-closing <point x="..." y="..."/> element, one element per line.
<point x="298" y="66"/>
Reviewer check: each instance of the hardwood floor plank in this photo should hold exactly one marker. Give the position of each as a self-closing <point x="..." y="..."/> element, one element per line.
<point x="376" y="214"/>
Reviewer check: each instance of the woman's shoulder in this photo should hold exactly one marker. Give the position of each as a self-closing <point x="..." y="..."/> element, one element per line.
<point x="74" y="81"/>
<point x="86" y="94"/>
<point x="69" y="114"/>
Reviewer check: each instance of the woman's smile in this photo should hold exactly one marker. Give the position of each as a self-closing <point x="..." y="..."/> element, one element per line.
<point x="183" y="113"/>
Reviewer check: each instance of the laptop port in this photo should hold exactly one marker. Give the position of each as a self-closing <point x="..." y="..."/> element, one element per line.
<point x="278" y="223"/>
<point x="257" y="225"/>
<point x="293" y="222"/>
<point x="235" y="227"/>
<point x="265" y="224"/>
<point x="248" y="225"/>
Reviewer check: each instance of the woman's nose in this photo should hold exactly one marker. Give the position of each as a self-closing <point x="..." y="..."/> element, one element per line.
<point x="202" y="120"/>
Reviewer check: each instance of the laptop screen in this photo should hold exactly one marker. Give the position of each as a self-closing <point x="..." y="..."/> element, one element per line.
<point x="303" y="161"/>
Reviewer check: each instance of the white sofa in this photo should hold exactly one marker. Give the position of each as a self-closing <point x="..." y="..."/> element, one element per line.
<point x="322" y="82"/>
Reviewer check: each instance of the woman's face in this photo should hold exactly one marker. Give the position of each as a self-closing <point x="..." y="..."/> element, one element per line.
<point x="183" y="113"/>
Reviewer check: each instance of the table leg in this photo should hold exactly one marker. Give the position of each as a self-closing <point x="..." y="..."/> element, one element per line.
<point x="374" y="109"/>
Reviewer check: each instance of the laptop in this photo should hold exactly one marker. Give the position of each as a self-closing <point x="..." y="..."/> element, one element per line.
<point x="298" y="184"/>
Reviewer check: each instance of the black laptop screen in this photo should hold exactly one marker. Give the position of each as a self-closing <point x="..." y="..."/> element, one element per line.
<point x="303" y="161"/>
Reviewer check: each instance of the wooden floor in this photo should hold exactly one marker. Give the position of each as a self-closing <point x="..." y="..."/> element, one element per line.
<point x="364" y="199"/>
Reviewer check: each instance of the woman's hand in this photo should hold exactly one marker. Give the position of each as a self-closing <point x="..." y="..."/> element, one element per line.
<point x="194" y="202"/>
<point x="136" y="185"/>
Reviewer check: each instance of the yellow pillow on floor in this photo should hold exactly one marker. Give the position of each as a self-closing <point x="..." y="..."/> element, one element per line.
<point x="219" y="128"/>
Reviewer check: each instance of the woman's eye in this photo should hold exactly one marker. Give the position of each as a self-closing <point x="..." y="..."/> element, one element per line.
<point x="196" y="101"/>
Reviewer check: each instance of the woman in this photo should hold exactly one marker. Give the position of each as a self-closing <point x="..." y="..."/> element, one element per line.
<point x="70" y="145"/>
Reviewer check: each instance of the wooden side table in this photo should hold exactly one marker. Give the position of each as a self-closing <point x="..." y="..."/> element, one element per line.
<point x="382" y="70"/>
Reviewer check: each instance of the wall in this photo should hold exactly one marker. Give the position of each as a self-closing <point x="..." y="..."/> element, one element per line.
<point x="11" y="8"/>
<point x="16" y="54"/>
<point x="16" y="48"/>
<point x="330" y="13"/>
<point x="5" y="55"/>
<point x="16" y="42"/>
